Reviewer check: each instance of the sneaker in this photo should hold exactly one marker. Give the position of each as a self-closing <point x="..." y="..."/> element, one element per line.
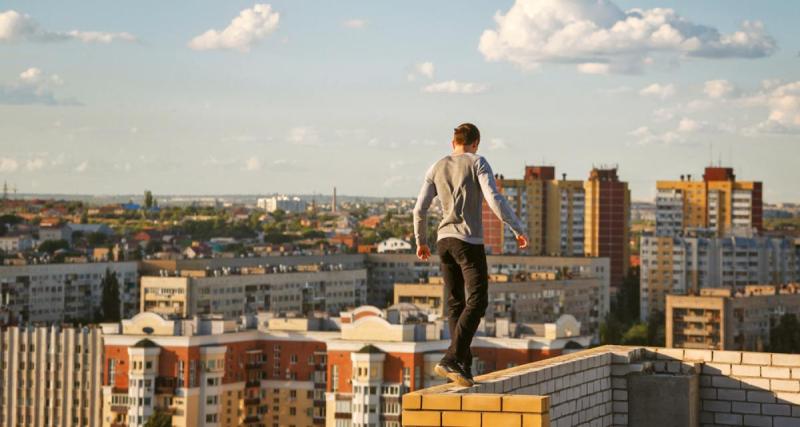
<point x="453" y="372"/>
<point x="468" y="372"/>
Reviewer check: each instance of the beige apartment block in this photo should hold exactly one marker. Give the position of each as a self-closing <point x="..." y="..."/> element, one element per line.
<point x="232" y="293"/>
<point x="51" y="376"/>
<point x="719" y="320"/>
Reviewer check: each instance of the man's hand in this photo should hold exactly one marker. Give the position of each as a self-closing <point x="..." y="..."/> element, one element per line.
<point x="522" y="241"/>
<point x="423" y="252"/>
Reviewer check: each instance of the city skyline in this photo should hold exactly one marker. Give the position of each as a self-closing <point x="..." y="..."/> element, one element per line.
<point x="102" y="100"/>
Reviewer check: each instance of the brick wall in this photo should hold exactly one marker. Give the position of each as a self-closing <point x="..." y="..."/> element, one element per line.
<point x="743" y="388"/>
<point x="475" y="409"/>
<point x="590" y="388"/>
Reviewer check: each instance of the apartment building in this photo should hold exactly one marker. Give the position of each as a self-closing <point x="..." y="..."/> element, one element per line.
<point x="687" y="264"/>
<point x="566" y="217"/>
<point x="607" y="221"/>
<point x="64" y="292"/>
<point x="51" y="376"/>
<point x="382" y="355"/>
<point x="719" y="203"/>
<point x="270" y="371"/>
<point x="384" y="270"/>
<point x="552" y="210"/>
<point x="525" y="299"/>
<point x="233" y="292"/>
<point x="284" y="203"/>
<point x="719" y="319"/>
<point x="211" y="372"/>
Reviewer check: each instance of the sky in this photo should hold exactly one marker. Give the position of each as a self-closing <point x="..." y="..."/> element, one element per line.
<point x="298" y="96"/>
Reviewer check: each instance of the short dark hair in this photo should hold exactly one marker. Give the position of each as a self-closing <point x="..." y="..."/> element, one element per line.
<point x="466" y="134"/>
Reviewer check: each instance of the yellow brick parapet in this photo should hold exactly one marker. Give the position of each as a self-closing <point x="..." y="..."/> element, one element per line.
<point x="467" y="410"/>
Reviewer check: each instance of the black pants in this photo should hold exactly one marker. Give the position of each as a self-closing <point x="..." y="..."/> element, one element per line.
<point x="466" y="289"/>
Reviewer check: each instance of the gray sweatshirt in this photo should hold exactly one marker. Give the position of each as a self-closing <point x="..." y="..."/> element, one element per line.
<point x="461" y="181"/>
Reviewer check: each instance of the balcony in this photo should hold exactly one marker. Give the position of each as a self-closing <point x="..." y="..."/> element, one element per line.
<point x="618" y="385"/>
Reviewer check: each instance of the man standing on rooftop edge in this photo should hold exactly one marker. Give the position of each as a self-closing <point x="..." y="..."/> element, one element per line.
<point x="462" y="180"/>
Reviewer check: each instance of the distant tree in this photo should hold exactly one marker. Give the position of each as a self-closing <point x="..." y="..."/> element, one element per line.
<point x="611" y="330"/>
<point x="51" y="246"/>
<point x="279" y="215"/>
<point x="159" y="419"/>
<point x="153" y="246"/>
<point x="148" y="199"/>
<point x="784" y="337"/>
<point x="110" y="298"/>
<point x="96" y="239"/>
<point x="635" y="335"/>
<point x="655" y="329"/>
<point x="10" y="219"/>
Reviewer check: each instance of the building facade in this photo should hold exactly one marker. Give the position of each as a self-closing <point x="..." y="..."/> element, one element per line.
<point x="384" y="270"/>
<point x="607" y="221"/>
<point x="65" y="292"/>
<point x="233" y="292"/>
<point x="683" y="265"/>
<point x="718" y="319"/>
<point x="284" y="203"/>
<point x="718" y="203"/>
<point x="551" y="209"/>
<point x="51" y="376"/>
<point x="522" y="300"/>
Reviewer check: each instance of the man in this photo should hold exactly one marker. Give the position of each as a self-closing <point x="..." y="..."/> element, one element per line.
<point x="462" y="180"/>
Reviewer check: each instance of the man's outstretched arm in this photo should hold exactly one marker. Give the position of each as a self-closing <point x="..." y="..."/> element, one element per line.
<point x="498" y="203"/>
<point x="426" y="195"/>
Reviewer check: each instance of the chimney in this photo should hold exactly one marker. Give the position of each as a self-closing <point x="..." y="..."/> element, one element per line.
<point x="563" y="177"/>
<point x="682" y="177"/>
<point x="333" y="203"/>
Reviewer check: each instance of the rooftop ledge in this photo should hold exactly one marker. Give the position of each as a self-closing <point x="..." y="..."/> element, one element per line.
<point x="622" y="386"/>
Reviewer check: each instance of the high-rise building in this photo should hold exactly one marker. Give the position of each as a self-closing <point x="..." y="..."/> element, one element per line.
<point x="607" y="220"/>
<point x="718" y="319"/>
<point x="51" y="376"/>
<point x="65" y="292"/>
<point x="687" y="264"/>
<point x="718" y="203"/>
<point x="551" y="209"/>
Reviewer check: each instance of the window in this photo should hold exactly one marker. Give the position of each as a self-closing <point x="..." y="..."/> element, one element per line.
<point x="293" y="359"/>
<point x="335" y="378"/>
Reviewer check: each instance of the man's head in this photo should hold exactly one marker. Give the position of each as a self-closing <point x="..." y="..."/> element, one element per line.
<point x="467" y="137"/>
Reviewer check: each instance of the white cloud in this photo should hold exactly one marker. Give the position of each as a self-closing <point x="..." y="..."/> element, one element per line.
<point x="8" y="164"/>
<point x="593" y="32"/>
<point x="15" y="26"/>
<point x="396" y="164"/>
<point x="355" y="23"/>
<point x="594" y="68"/>
<point x="303" y="135"/>
<point x="242" y="33"/>
<point x="663" y="114"/>
<point x="687" y="125"/>
<point x="658" y="91"/>
<point x="82" y="167"/>
<point x="34" y="164"/>
<point x="452" y="86"/>
<point x="497" y="144"/>
<point x="32" y="75"/>
<point x="783" y="102"/>
<point x="33" y="86"/>
<point x="645" y="136"/>
<point x="422" y="69"/>
<point x="717" y="89"/>
<point x="252" y="164"/>
<point x="394" y="180"/>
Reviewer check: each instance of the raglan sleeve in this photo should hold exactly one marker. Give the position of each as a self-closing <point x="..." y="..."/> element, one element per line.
<point x="426" y="195"/>
<point x="496" y="201"/>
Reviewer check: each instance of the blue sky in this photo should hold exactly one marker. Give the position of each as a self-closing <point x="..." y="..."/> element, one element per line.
<point x="100" y="97"/>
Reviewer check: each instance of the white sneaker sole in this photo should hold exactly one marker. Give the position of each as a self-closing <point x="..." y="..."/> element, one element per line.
<point x="453" y="376"/>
